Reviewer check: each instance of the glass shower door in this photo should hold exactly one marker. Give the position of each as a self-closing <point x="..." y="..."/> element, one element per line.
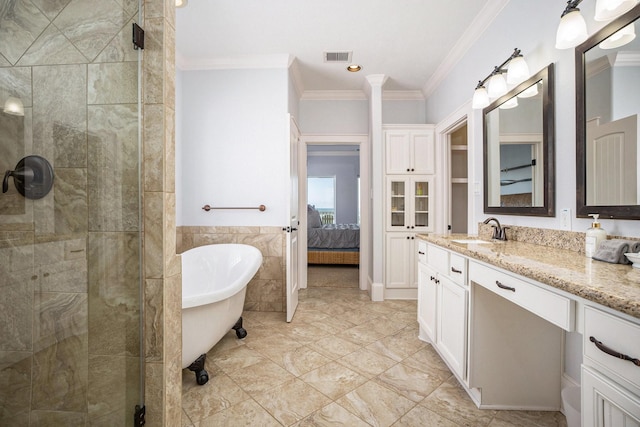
<point x="70" y="333"/>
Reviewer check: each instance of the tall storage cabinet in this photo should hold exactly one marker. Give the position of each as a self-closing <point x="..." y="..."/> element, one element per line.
<point x="409" y="202"/>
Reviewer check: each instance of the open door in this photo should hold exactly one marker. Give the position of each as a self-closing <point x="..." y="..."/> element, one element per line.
<point x="293" y="282"/>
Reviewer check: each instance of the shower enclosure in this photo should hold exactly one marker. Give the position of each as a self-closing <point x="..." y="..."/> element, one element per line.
<point x="70" y="288"/>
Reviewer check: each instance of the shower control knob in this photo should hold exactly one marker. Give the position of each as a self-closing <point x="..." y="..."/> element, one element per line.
<point x="33" y="177"/>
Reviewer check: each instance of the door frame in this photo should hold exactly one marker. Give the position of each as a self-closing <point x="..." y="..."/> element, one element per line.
<point x="361" y="140"/>
<point x="461" y="116"/>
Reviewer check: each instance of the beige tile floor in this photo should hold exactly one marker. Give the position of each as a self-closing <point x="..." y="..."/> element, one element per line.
<point x="342" y="361"/>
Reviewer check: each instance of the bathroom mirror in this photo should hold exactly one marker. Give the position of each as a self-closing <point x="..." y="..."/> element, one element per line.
<point x="519" y="149"/>
<point x="607" y="109"/>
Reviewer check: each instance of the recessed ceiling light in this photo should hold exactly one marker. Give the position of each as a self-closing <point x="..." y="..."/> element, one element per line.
<point x="181" y="3"/>
<point x="354" y="68"/>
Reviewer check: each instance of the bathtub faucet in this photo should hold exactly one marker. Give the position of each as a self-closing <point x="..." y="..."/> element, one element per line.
<point x="499" y="233"/>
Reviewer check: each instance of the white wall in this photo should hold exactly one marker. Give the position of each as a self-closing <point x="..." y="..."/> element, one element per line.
<point x="530" y="26"/>
<point x="334" y="116"/>
<point x="234" y="146"/>
<point x="403" y="112"/>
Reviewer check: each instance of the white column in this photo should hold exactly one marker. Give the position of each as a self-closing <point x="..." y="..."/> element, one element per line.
<point x="376" y="81"/>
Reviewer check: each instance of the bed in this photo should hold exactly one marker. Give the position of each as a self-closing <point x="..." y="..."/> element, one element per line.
<point x="331" y="243"/>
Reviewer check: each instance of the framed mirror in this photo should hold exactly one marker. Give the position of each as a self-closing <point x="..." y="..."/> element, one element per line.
<point x="518" y="144"/>
<point x="607" y="128"/>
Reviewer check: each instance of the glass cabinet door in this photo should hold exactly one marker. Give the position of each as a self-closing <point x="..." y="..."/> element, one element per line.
<point x="421" y="206"/>
<point x="397" y="199"/>
<point x="409" y="203"/>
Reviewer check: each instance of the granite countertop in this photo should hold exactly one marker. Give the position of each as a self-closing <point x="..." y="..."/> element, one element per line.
<point x="616" y="286"/>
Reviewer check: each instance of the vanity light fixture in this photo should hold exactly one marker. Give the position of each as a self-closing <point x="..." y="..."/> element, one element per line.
<point x="517" y="71"/>
<point x="14" y="106"/>
<point x="529" y="92"/>
<point x="572" y="29"/>
<point x="619" y="38"/>
<point x="354" y="68"/>
<point x="510" y="103"/>
<point x="606" y="10"/>
<point x="181" y="3"/>
<point x="497" y="85"/>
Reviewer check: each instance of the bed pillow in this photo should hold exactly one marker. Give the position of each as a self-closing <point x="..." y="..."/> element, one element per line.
<point x="313" y="217"/>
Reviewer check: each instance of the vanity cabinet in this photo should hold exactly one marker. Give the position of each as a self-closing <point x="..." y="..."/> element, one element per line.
<point x="516" y="342"/>
<point x="409" y="149"/>
<point x="610" y="384"/>
<point x="442" y="304"/>
<point x="503" y="333"/>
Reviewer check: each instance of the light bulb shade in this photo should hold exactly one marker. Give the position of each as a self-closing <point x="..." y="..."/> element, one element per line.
<point x="181" y="3"/>
<point x="480" y="98"/>
<point x="619" y="38"/>
<point x="518" y="70"/>
<point x="610" y="9"/>
<point x="14" y="106"/>
<point x="572" y="30"/>
<point x="529" y="92"/>
<point x="497" y="86"/>
<point x="511" y="103"/>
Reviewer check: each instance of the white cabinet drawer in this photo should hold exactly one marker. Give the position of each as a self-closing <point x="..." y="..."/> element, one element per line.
<point x="458" y="269"/>
<point x="617" y="336"/>
<point x="552" y="307"/>
<point x="438" y="259"/>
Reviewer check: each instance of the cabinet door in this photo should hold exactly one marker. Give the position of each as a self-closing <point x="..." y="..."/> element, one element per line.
<point x="397" y="204"/>
<point x="604" y="404"/>
<point x="400" y="256"/>
<point x="452" y="324"/>
<point x="421" y="206"/>
<point x="427" y="301"/>
<point x="397" y="152"/>
<point x="423" y="153"/>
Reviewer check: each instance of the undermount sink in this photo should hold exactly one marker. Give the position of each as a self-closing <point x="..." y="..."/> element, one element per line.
<point x="467" y="241"/>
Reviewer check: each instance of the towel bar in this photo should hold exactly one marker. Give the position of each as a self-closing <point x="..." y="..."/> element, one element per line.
<point x="261" y="208"/>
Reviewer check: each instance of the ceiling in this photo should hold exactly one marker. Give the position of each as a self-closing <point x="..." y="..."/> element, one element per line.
<point x="411" y="42"/>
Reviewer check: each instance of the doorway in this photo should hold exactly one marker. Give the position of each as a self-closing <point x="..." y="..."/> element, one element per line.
<point x="455" y="138"/>
<point x="344" y="159"/>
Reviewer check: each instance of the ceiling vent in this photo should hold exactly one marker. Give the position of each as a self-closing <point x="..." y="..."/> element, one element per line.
<point x="338" y="56"/>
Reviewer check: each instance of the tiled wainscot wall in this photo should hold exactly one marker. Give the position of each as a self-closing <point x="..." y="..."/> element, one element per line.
<point x="266" y="291"/>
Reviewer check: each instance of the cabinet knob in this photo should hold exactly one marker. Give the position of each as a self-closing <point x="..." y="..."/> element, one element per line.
<point x="408" y="170"/>
<point x="412" y="169"/>
<point x="420" y="252"/>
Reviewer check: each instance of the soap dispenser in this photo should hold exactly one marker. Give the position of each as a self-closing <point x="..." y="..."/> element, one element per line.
<point x="594" y="236"/>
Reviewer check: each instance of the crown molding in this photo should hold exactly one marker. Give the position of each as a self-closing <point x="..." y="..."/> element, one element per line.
<point x="598" y="65"/>
<point x="333" y="95"/>
<point x="627" y="59"/>
<point x="402" y="95"/>
<point x="481" y="22"/>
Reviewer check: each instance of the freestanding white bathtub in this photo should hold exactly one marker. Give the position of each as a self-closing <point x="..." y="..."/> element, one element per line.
<point x="214" y="284"/>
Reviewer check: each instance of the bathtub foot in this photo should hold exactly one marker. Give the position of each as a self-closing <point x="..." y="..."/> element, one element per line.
<point x="197" y="367"/>
<point x="240" y="331"/>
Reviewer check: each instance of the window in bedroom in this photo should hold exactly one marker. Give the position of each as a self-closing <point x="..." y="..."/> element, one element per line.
<point x="321" y="192"/>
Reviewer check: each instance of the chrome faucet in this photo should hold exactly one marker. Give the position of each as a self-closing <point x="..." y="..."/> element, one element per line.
<point x="499" y="232"/>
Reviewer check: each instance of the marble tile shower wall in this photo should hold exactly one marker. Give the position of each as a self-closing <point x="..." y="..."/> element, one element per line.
<point x="69" y="270"/>
<point x="266" y="291"/>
